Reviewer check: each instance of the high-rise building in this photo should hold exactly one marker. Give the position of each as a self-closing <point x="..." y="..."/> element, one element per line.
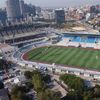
<point x="13" y="10"/>
<point x="98" y="8"/>
<point x="3" y="16"/>
<point x="59" y="16"/>
<point x="92" y="9"/>
<point x="38" y="10"/>
<point x="30" y="9"/>
<point x="22" y="8"/>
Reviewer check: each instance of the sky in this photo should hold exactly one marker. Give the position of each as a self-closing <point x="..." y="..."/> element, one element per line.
<point x="57" y="3"/>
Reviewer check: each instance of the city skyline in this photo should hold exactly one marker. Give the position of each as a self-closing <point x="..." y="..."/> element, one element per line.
<point x="60" y="3"/>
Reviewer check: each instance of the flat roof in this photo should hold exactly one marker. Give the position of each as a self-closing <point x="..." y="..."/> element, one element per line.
<point x="82" y="33"/>
<point x="20" y="35"/>
<point x="3" y="45"/>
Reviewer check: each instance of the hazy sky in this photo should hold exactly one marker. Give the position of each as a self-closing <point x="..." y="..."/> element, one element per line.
<point x="57" y="3"/>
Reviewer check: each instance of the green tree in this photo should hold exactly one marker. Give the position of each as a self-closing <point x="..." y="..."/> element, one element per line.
<point x="29" y="84"/>
<point x="74" y="95"/>
<point x="87" y="95"/>
<point x="73" y="82"/>
<point x="38" y="82"/>
<point x="48" y="95"/>
<point x="18" y="93"/>
<point x="47" y="78"/>
<point x="43" y="93"/>
<point x="97" y="91"/>
<point x="28" y="75"/>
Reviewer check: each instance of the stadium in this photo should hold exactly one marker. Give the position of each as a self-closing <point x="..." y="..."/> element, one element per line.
<point x="72" y="53"/>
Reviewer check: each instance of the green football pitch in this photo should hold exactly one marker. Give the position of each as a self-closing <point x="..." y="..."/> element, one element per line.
<point x="72" y="57"/>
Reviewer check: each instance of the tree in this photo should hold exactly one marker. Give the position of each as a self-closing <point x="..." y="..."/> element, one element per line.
<point x="74" y="95"/>
<point x="38" y="82"/>
<point x="47" y="78"/>
<point x="29" y="84"/>
<point x="56" y="96"/>
<point x="96" y="93"/>
<point x="48" y="95"/>
<point x="28" y="75"/>
<point x="43" y="93"/>
<point x="87" y="95"/>
<point x="73" y="82"/>
<point x="18" y="93"/>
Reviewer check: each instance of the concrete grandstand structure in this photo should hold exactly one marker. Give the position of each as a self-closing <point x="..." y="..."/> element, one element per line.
<point x="16" y="34"/>
<point x="83" y="39"/>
